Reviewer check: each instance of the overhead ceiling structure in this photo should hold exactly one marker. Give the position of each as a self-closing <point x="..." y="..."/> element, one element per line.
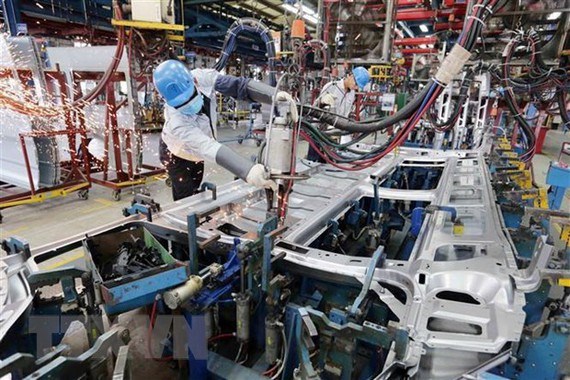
<point x="207" y="21"/>
<point x="355" y="27"/>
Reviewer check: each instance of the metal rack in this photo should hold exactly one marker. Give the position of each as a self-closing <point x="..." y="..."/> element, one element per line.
<point x="73" y="175"/>
<point x="120" y="139"/>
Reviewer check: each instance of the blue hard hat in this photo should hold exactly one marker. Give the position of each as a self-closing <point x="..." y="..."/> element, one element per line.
<point x="174" y="82"/>
<point x="361" y="76"/>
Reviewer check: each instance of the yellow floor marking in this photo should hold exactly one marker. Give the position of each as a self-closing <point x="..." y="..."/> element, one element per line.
<point x="64" y="261"/>
<point x="105" y="201"/>
<point x="104" y="204"/>
<point x="13" y="232"/>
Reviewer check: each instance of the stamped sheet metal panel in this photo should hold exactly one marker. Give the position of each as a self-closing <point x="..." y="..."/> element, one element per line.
<point x="437" y="262"/>
<point x="21" y="53"/>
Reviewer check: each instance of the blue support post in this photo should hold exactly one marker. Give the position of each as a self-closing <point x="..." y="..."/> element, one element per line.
<point x="11" y="15"/>
<point x="263" y="232"/>
<point x="266" y="264"/>
<point x="558" y="177"/>
<point x="297" y="354"/>
<point x="192" y="223"/>
<point x="367" y="280"/>
<point x="417" y="221"/>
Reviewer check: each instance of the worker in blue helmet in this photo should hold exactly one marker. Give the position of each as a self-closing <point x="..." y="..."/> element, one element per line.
<point x="338" y="97"/>
<point x="189" y="133"/>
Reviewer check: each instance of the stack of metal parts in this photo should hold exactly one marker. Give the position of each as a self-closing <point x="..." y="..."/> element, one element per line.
<point x="131" y="258"/>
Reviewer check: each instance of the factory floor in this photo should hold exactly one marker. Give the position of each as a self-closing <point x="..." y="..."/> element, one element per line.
<point x="58" y="218"/>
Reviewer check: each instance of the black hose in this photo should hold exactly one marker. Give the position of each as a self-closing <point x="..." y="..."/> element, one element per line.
<point x="253" y="26"/>
<point x="562" y="106"/>
<point x="366" y="127"/>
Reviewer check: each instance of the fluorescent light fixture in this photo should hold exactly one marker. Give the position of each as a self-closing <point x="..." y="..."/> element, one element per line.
<point x="554" y="15"/>
<point x="309" y="15"/>
<point x="424" y="28"/>
<point x="295" y="9"/>
<point x="289" y="8"/>
<point x="311" y="19"/>
<point x="307" y="10"/>
<point x="39" y="5"/>
<point x="406" y="29"/>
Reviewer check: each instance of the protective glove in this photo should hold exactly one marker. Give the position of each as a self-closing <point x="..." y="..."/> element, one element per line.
<point x="327" y="100"/>
<point x="259" y="177"/>
<point x="283" y="96"/>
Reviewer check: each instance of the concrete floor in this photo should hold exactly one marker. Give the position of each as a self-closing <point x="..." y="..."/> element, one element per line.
<point x="59" y="218"/>
<point x="62" y="217"/>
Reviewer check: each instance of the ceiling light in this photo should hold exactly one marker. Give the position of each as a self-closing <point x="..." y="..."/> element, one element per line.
<point x="406" y="29"/>
<point x="289" y="8"/>
<point x="554" y="15"/>
<point x="424" y="28"/>
<point x="307" y="10"/>
<point x="39" y="5"/>
<point x="295" y="9"/>
<point x="311" y="19"/>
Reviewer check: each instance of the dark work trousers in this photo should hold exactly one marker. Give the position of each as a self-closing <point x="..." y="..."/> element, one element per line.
<point x="185" y="175"/>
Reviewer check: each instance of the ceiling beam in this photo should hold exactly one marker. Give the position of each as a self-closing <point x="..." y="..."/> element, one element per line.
<point x="258" y="11"/>
<point x="270" y="5"/>
<point x="226" y="8"/>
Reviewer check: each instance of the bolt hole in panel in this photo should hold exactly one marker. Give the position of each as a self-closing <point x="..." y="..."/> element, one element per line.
<point x="457" y="297"/>
<point x="454" y="327"/>
<point x="452" y="252"/>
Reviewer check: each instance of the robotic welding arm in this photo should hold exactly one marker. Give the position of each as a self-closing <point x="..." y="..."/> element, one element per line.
<point x="254" y="174"/>
<point x="244" y="89"/>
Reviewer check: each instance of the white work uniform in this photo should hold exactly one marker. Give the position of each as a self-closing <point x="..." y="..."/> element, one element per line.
<point x="343" y="101"/>
<point x="193" y="137"/>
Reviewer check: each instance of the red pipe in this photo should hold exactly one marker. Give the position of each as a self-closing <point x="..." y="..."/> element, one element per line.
<point x="456" y="25"/>
<point x="407" y="3"/>
<point x="415" y="41"/>
<point x="422" y="14"/>
<point x="418" y="51"/>
<point x="415" y="14"/>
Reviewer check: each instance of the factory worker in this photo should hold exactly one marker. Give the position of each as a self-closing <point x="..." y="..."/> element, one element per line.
<point x="339" y="97"/>
<point x="189" y="133"/>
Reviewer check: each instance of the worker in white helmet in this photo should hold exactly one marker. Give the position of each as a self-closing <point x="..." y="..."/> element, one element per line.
<point x="338" y="96"/>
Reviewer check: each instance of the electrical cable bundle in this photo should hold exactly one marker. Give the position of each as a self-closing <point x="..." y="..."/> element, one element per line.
<point x="536" y="81"/>
<point x="314" y="46"/>
<point x="146" y="50"/>
<point x="410" y="114"/>
<point x="253" y="26"/>
<point x="446" y="125"/>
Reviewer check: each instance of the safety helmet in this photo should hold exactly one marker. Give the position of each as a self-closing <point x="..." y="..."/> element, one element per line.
<point x="361" y="76"/>
<point x="175" y="84"/>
